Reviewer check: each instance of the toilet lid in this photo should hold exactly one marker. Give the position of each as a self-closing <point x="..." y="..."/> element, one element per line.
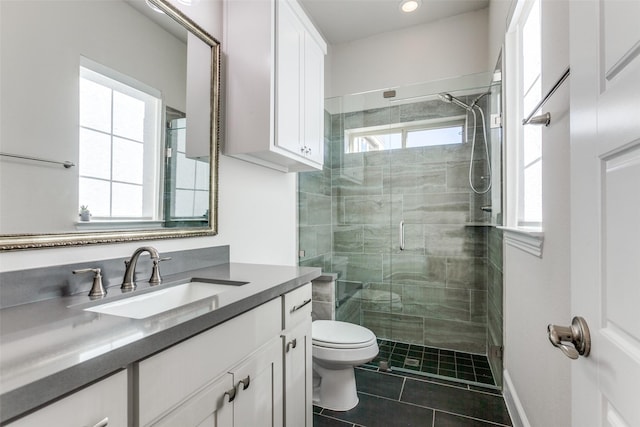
<point x="335" y="334"/>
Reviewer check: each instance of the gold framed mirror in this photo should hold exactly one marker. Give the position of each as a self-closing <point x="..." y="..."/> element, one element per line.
<point x="66" y="63"/>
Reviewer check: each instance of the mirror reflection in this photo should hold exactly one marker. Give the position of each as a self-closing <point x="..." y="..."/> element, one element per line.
<point x="118" y="91"/>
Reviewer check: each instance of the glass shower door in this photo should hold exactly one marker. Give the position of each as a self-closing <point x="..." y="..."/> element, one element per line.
<point x="362" y="209"/>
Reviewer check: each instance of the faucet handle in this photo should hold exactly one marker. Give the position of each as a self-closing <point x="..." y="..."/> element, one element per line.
<point x="97" y="290"/>
<point x="155" y="274"/>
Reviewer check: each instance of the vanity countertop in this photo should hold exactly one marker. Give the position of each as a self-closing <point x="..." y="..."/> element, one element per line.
<point x="52" y="347"/>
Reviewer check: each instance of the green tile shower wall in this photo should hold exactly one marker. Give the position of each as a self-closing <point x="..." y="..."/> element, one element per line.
<point x="359" y="199"/>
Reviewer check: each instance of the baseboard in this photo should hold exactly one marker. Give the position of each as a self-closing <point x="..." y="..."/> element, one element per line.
<point x="514" y="406"/>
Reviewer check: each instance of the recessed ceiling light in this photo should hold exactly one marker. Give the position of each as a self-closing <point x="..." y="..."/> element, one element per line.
<point x="409" y="5"/>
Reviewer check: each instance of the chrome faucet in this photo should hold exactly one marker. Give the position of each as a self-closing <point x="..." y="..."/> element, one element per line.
<point x="128" y="283"/>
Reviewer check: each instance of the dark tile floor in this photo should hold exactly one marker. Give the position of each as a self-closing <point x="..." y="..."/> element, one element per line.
<point x="468" y="368"/>
<point x="395" y="400"/>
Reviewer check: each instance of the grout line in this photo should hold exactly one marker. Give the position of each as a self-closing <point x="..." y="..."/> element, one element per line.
<point x="459" y="387"/>
<point x="404" y="381"/>
<point x="471" y="418"/>
<point x="473" y="365"/>
<point x="338" y="419"/>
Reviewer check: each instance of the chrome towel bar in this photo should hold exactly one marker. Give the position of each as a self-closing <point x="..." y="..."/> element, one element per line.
<point x="545" y="119"/>
<point x="67" y="164"/>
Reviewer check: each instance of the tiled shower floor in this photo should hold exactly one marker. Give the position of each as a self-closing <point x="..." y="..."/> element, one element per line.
<point x="434" y="362"/>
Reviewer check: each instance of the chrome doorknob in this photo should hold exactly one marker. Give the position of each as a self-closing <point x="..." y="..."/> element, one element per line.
<point x="574" y="340"/>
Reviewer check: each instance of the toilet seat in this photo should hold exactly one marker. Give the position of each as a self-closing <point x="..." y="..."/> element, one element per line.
<point x="341" y="335"/>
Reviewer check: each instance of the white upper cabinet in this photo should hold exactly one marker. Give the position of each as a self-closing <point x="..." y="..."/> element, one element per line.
<point x="274" y="85"/>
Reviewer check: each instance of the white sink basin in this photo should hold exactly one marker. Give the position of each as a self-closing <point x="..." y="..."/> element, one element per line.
<point x="151" y="303"/>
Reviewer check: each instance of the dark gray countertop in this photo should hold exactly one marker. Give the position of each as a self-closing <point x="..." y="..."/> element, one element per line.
<point x="52" y="347"/>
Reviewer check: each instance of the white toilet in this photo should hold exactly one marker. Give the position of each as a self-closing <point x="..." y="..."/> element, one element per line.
<point x="337" y="348"/>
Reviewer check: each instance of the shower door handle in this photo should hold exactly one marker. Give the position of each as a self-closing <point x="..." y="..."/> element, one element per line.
<point x="402" y="235"/>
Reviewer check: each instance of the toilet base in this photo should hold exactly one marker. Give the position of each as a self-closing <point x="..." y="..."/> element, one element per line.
<point x="334" y="389"/>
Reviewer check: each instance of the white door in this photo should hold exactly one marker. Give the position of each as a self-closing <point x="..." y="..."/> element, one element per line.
<point x="605" y="209"/>
<point x="313" y="99"/>
<point x="289" y="54"/>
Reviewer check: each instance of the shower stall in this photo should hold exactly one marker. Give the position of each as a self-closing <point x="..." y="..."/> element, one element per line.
<point x="405" y="213"/>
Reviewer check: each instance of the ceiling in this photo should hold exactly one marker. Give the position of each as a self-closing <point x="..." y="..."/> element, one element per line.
<point x="341" y="21"/>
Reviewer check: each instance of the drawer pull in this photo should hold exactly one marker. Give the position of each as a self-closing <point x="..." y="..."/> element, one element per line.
<point x="231" y="393"/>
<point x="103" y="423"/>
<point x="291" y="344"/>
<point x="245" y="382"/>
<point x="298" y="307"/>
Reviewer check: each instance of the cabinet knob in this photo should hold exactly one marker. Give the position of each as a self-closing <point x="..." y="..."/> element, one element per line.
<point x="231" y="393"/>
<point x="245" y="382"/>
<point x="102" y="423"/>
<point x="298" y="307"/>
<point x="291" y="344"/>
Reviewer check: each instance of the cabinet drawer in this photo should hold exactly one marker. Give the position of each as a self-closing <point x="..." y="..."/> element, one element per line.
<point x="168" y="378"/>
<point x="210" y="406"/>
<point x="100" y="403"/>
<point x="297" y="306"/>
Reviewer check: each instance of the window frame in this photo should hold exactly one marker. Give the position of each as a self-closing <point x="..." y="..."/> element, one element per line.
<point x="524" y="235"/>
<point x="153" y="135"/>
<point x="523" y="94"/>
<point x="404" y="129"/>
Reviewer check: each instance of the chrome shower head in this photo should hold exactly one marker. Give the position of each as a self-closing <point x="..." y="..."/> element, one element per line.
<point x="447" y="97"/>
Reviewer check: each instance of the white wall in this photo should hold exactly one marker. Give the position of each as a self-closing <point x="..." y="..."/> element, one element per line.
<point x="447" y="48"/>
<point x="257" y="206"/>
<point x="537" y="290"/>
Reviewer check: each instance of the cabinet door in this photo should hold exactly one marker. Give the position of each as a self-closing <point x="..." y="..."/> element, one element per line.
<point x="211" y="407"/>
<point x="101" y="404"/>
<point x="313" y="100"/>
<point x="289" y="55"/>
<point x="258" y="381"/>
<point x="298" y="387"/>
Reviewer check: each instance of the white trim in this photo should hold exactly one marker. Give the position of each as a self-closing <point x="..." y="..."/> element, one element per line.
<point x="514" y="406"/>
<point x="132" y="224"/>
<point x="99" y="73"/>
<point x="530" y="240"/>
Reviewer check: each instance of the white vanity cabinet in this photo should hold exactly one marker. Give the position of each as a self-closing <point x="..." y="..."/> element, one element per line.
<point x="298" y="390"/>
<point x="218" y="375"/>
<point x="101" y="404"/>
<point x="253" y="370"/>
<point x="275" y="85"/>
